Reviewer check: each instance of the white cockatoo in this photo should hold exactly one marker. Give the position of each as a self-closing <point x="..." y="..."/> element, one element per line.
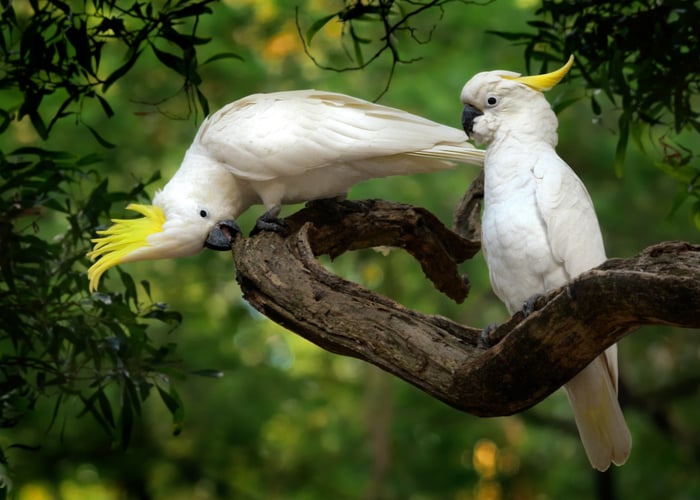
<point x="283" y="147"/>
<point x="539" y="230"/>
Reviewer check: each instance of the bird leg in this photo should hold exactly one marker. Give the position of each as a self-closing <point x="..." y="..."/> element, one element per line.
<point x="530" y="304"/>
<point x="485" y="340"/>
<point x="269" y="221"/>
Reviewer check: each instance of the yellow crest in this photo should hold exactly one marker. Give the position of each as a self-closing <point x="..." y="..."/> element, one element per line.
<point x="123" y="238"/>
<point x="546" y="81"/>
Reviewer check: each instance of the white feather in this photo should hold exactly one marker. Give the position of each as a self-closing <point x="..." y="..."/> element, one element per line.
<point x="539" y="231"/>
<point x="278" y="148"/>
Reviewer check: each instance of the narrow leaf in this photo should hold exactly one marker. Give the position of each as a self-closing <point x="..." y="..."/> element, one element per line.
<point x="621" y="149"/>
<point x="170" y="60"/>
<point x="121" y="71"/>
<point x="103" y="142"/>
<point x="317" y="26"/>
<point x="223" y="55"/>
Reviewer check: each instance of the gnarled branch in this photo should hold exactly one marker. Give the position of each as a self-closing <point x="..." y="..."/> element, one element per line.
<point x="535" y="355"/>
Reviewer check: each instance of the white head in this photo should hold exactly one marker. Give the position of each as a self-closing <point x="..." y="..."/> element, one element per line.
<point x="189" y="213"/>
<point x="503" y="102"/>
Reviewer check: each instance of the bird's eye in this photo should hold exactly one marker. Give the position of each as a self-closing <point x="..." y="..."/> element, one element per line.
<point x="491" y="101"/>
<point x="203" y="214"/>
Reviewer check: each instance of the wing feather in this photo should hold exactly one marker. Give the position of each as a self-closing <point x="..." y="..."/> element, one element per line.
<point x="568" y="214"/>
<point x="266" y="136"/>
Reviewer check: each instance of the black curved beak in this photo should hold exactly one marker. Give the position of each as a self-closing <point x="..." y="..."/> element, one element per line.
<point x="222" y="235"/>
<point x="468" y="115"/>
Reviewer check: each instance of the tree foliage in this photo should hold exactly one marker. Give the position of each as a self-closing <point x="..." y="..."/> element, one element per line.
<point x="372" y="29"/>
<point x="641" y="56"/>
<point x="56" y="341"/>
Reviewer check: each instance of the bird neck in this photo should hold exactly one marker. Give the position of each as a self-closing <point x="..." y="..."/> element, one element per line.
<point x="532" y="125"/>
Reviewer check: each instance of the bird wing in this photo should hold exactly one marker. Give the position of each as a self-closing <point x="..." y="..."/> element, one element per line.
<point x="266" y="136"/>
<point x="568" y="215"/>
<point x="575" y="240"/>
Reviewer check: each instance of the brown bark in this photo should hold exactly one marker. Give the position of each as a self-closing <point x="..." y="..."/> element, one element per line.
<point x="532" y="356"/>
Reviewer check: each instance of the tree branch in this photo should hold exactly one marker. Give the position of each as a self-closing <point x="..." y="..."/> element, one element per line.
<point x="534" y="356"/>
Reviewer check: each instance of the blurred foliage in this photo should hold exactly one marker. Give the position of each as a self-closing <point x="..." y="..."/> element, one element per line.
<point x="57" y="341"/>
<point x="377" y="27"/>
<point x="58" y="48"/>
<point x="642" y="56"/>
<point x="286" y="420"/>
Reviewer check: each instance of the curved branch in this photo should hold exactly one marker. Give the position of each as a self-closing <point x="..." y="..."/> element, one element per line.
<point x="281" y="278"/>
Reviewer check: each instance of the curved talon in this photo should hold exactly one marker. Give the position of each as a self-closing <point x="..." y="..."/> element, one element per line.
<point x="269" y="222"/>
<point x="529" y="306"/>
<point x="274" y="224"/>
<point x="485" y="341"/>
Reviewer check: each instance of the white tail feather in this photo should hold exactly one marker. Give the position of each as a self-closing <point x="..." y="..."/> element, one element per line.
<point x="601" y="425"/>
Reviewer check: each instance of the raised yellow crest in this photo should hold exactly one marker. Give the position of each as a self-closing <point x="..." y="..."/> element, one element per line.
<point x="546" y="81"/>
<point x="123" y="238"/>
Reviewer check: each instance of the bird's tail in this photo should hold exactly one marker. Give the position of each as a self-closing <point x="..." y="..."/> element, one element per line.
<point x="601" y="425"/>
<point x="460" y="153"/>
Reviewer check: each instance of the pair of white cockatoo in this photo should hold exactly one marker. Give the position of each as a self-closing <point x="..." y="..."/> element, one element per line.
<point x="539" y="226"/>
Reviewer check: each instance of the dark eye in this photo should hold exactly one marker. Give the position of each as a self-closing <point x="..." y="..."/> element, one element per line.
<point x="203" y="213"/>
<point x="491" y="101"/>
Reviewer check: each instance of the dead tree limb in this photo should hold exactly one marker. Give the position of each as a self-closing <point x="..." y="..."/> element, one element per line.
<point x="535" y="355"/>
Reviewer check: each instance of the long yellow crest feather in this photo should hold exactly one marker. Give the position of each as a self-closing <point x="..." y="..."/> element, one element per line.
<point x="546" y="81"/>
<point x="123" y="238"/>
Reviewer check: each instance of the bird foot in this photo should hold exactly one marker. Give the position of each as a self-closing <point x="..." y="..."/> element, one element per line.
<point x="485" y="340"/>
<point x="269" y="222"/>
<point x="529" y="306"/>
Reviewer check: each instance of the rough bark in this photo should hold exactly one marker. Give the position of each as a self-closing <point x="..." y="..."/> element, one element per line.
<point x="530" y="356"/>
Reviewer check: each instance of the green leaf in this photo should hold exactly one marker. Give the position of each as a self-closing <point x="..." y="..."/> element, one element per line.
<point x="103" y="142"/>
<point x="38" y="124"/>
<point x="147" y="288"/>
<point x="122" y="70"/>
<point x="621" y="149"/>
<point x="208" y="372"/>
<point x="130" y="293"/>
<point x="79" y="39"/>
<point x="317" y="26"/>
<point x="223" y="55"/>
<point x="105" y="106"/>
<point x="172" y="401"/>
<point x="170" y="60"/>
<point x="203" y="102"/>
<point x="696" y="214"/>
<point x="510" y="36"/>
<point x="89" y="159"/>
<point x="5" y="119"/>
<point x="126" y="416"/>
<point x="357" y="48"/>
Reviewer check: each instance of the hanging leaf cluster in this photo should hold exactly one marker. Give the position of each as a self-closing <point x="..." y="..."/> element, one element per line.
<point x="58" y="343"/>
<point x="641" y="55"/>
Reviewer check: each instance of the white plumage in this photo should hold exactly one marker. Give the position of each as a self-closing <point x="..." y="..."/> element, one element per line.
<point x="539" y="231"/>
<point x="277" y="148"/>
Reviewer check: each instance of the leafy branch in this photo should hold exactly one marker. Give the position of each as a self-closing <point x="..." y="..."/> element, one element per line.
<point x="391" y="18"/>
<point x="58" y="343"/>
<point x="55" y="50"/>
<point x="623" y="50"/>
